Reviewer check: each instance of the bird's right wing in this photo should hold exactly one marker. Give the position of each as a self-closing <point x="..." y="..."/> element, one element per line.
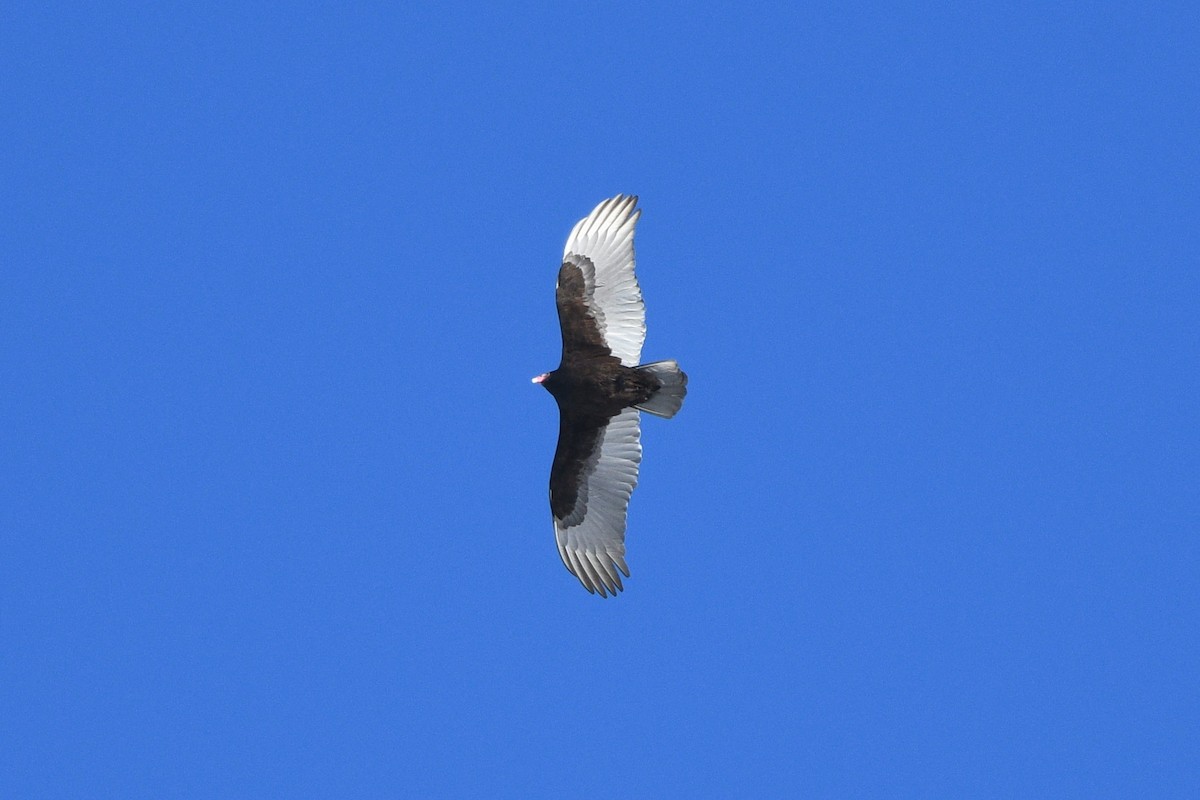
<point x="594" y="473"/>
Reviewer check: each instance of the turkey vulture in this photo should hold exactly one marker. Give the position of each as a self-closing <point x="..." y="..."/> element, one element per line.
<point x="600" y="389"/>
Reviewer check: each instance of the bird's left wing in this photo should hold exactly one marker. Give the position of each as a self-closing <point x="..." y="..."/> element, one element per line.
<point x="597" y="280"/>
<point x="595" y="470"/>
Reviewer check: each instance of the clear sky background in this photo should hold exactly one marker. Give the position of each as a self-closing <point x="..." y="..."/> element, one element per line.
<point x="273" y="282"/>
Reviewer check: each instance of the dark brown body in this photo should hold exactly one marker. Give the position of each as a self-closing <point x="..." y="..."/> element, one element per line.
<point x="589" y="391"/>
<point x="599" y="386"/>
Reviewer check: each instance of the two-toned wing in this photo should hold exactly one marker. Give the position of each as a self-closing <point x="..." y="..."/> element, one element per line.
<point x="597" y="279"/>
<point x="595" y="470"/>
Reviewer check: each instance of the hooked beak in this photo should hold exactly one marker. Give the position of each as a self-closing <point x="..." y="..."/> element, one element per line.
<point x="540" y="378"/>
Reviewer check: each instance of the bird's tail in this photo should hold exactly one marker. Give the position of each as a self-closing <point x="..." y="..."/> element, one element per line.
<point x="669" y="397"/>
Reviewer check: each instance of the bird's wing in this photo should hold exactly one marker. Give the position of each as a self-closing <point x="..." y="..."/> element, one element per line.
<point x="599" y="301"/>
<point x="595" y="470"/>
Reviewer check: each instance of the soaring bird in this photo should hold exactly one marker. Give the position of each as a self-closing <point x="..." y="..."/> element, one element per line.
<point x="600" y="389"/>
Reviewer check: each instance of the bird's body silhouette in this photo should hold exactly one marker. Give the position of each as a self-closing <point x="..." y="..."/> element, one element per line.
<point x="600" y="389"/>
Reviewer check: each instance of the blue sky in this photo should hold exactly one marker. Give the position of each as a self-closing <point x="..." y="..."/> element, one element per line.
<point x="273" y="282"/>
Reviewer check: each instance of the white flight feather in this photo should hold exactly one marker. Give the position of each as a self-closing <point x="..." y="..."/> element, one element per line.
<point x="594" y="548"/>
<point x="605" y="238"/>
